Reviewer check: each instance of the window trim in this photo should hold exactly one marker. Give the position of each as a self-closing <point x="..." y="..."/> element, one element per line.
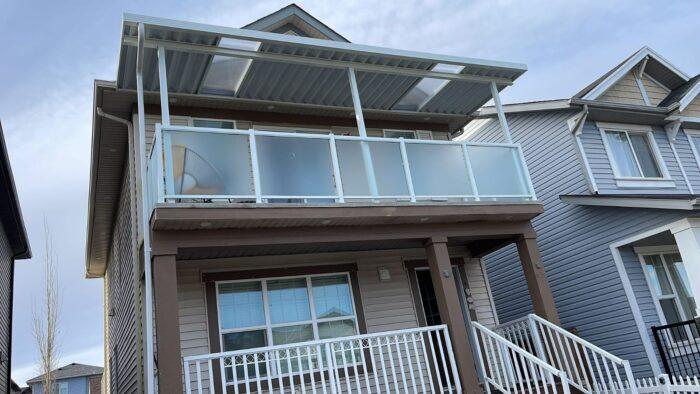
<point x="692" y="134"/>
<point x="193" y="118"/>
<point x="664" y="181"/>
<point x="385" y="131"/>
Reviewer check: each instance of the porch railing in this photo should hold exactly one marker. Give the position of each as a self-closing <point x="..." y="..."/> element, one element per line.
<point x="412" y="360"/>
<point x="679" y="347"/>
<point x="261" y="166"/>
<point x="589" y="368"/>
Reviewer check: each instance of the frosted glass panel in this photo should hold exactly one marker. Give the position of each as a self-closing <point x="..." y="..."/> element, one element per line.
<point x="388" y="168"/>
<point x="497" y="170"/>
<point x="295" y="166"/>
<point x="209" y="164"/>
<point x="438" y="170"/>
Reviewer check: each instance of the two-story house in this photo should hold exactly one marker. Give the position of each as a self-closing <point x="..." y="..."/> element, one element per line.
<point x="73" y="378"/>
<point x="617" y="169"/>
<point x="274" y="207"/>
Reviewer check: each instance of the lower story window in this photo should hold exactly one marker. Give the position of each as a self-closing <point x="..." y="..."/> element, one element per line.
<point x="278" y="311"/>
<point x="670" y="285"/>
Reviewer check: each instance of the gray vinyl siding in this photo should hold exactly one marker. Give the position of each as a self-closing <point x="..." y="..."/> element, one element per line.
<point x="602" y="168"/>
<point x="123" y="351"/>
<point x="574" y="240"/>
<point x="6" y="288"/>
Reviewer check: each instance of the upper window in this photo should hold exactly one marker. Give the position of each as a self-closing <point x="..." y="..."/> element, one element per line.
<point x="633" y="154"/>
<point x="405" y="134"/>
<point x="258" y="313"/>
<point x="214" y="123"/>
<point x="63" y="388"/>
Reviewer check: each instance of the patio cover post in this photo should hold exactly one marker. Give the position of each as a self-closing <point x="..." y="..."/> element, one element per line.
<point x="366" y="153"/>
<point x="163" y="80"/>
<point x="501" y="114"/>
<point x="145" y="231"/>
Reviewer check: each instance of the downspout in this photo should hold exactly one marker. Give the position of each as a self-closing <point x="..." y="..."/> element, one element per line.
<point x="133" y="208"/>
<point x="576" y="127"/>
<point x="672" y="132"/>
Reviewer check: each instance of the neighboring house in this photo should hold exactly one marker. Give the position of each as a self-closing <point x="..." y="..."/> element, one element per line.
<point x="617" y="169"/>
<point x="14" y="245"/>
<point x="295" y="201"/>
<point x="73" y="378"/>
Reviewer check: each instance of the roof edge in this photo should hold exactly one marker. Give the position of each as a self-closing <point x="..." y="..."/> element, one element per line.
<point x="22" y="249"/>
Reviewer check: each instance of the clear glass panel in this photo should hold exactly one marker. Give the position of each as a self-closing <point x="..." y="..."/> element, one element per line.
<point x="438" y="170"/>
<point x="332" y="296"/>
<point x="622" y="153"/>
<point x="215" y="124"/>
<point x="288" y="300"/>
<point x="681" y="283"/>
<point x="336" y="329"/>
<point x="426" y="89"/>
<point x="640" y="144"/>
<point x="388" y="168"/>
<point x="226" y="74"/>
<point x="292" y="334"/>
<point x="241" y="305"/>
<point x="210" y="164"/>
<point x="497" y="170"/>
<point x="295" y="166"/>
<point x="239" y="341"/>
<point x="657" y="275"/>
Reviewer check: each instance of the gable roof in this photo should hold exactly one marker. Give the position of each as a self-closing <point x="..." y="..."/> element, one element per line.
<point x="683" y="95"/>
<point x="296" y="19"/>
<point x="73" y="370"/>
<point x="10" y="212"/>
<point x="657" y="66"/>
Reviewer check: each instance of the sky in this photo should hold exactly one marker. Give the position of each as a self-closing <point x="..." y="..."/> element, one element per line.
<point x="51" y="51"/>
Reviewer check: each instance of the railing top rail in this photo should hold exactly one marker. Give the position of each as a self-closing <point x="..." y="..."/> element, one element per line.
<point x="314" y="343"/>
<point x="520" y="351"/>
<point x="578" y="340"/>
<point x="286" y="134"/>
<point x="511" y="323"/>
<point x="673" y="325"/>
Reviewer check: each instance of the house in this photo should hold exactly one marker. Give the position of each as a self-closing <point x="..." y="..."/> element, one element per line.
<point x="14" y="245"/>
<point x="616" y="167"/>
<point x="274" y="207"/>
<point x="73" y="378"/>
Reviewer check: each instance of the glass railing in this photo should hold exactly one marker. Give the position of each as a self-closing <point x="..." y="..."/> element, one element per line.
<point x="276" y="167"/>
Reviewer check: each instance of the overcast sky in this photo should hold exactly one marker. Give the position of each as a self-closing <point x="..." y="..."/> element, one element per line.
<point x="50" y="53"/>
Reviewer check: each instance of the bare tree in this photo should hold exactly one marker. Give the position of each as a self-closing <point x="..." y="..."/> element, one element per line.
<point x="45" y="315"/>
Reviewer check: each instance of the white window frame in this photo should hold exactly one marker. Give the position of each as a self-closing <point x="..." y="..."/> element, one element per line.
<point x="268" y="326"/>
<point x="665" y="181"/>
<point x="62" y="386"/>
<point x="692" y="134"/>
<point x="386" y="131"/>
<point x="193" y="118"/>
<point x="643" y="251"/>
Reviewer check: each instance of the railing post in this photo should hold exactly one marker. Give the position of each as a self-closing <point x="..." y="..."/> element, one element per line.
<point x="664" y="383"/>
<point x="162" y="174"/>
<point x="407" y="169"/>
<point x="336" y="169"/>
<point x="330" y="363"/>
<point x="470" y="172"/>
<point x="451" y="357"/>
<point x="630" y="377"/>
<point x="526" y="174"/>
<point x="186" y="373"/>
<point x="536" y="338"/>
<point x="254" y="166"/>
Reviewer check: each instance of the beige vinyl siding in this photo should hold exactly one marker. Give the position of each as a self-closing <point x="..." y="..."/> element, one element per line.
<point x="655" y="92"/>
<point x="625" y="91"/>
<point x="480" y="292"/>
<point x="693" y="109"/>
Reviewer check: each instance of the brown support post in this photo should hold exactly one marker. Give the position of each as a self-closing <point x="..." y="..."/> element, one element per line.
<point x="540" y="293"/>
<point x="167" y="324"/>
<point x="451" y="311"/>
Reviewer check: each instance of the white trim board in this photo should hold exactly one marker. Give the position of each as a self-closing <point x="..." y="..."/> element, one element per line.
<point x="631" y="202"/>
<point x="626" y="67"/>
<point x="689" y="96"/>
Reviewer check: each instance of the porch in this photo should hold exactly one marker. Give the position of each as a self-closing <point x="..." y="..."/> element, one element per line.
<point x="386" y="258"/>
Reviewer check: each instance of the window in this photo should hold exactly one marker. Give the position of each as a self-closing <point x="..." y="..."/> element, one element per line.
<point x="405" y="134"/>
<point x="670" y="286"/>
<point x="694" y="140"/>
<point x="63" y="388"/>
<point x="632" y="154"/>
<point x="258" y="313"/>
<point x="214" y="123"/>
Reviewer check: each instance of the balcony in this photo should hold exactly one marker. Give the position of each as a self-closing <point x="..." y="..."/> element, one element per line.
<point x="263" y="167"/>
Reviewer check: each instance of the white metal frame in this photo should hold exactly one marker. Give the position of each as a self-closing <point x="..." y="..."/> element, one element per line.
<point x="692" y="134"/>
<point x="266" y="308"/>
<point x="664" y="181"/>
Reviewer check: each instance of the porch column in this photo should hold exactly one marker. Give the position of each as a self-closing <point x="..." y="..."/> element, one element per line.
<point x="167" y="324"/>
<point x="451" y="311"/>
<point x="687" y="234"/>
<point x="540" y="293"/>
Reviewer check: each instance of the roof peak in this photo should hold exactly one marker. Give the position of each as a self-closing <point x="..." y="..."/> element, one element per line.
<point x="304" y="23"/>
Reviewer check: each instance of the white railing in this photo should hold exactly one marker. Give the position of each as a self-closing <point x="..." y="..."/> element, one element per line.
<point x="412" y="360"/>
<point x="509" y="368"/>
<point x="589" y="368"/>
<point x="270" y="166"/>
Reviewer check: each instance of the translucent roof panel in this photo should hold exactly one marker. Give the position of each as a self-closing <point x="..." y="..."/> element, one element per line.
<point x="226" y="74"/>
<point x="426" y="89"/>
